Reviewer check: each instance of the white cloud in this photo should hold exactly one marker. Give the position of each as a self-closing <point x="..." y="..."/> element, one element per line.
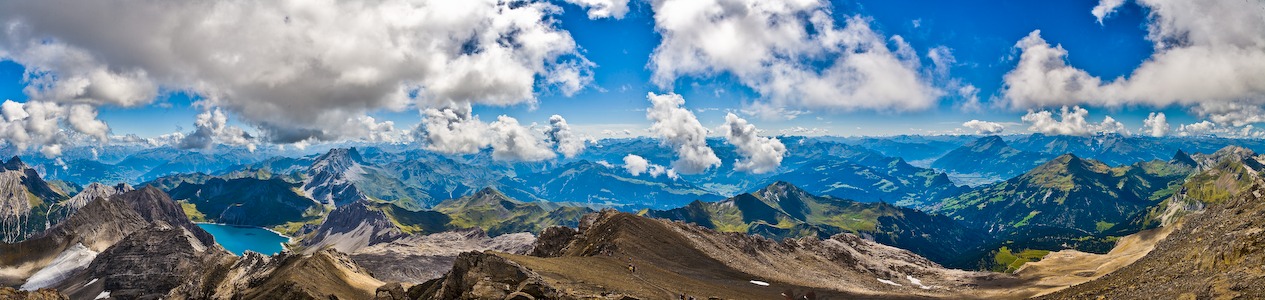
<point x="1071" y="121"/>
<point x="297" y="69"/>
<point x="83" y="118"/>
<point x="48" y="126"/>
<point x="1233" y="114"/>
<point x="1205" y="53"/>
<point x="985" y="127"/>
<point x="679" y="129"/>
<point x="561" y="135"/>
<point x="211" y="128"/>
<point x="1197" y="129"/>
<point x="791" y="52"/>
<point x="637" y="165"/>
<point x="970" y="98"/>
<point x="759" y="154"/>
<point x="1156" y="125"/>
<point x="603" y="8"/>
<point x="456" y="130"/>
<point x="1105" y="8"/>
<point x="453" y="130"/>
<point x="515" y="142"/>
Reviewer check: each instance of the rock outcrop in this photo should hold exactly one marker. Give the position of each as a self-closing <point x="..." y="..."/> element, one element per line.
<point x="92" y="192"/>
<point x="615" y="255"/>
<point x="326" y="274"/>
<point x="98" y="226"/>
<point x="418" y="258"/>
<point x="25" y="200"/>
<point x="1214" y="254"/>
<point x="477" y="275"/>
<point x="353" y="226"/>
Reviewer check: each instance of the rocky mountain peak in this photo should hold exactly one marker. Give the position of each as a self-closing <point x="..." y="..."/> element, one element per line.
<point x="987" y="143"/>
<point x="1184" y="158"/>
<point x="15" y="164"/>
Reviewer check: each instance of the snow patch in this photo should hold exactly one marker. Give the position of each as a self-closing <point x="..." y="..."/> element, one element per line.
<point x="759" y="283"/>
<point x="103" y="295"/>
<point x="888" y="282"/>
<point x="916" y="282"/>
<point x="90" y="282"/>
<point x="75" y="258"/>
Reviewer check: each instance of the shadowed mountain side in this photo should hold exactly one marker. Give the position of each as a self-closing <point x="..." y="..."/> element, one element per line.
<point x="672" y="259"/>
<point x="783" y="210"/>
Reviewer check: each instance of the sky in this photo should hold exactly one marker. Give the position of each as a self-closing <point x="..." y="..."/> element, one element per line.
<point x="457" y="77"/>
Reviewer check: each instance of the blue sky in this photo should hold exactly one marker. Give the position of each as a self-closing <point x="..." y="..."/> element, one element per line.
<point x="981" y="35"/>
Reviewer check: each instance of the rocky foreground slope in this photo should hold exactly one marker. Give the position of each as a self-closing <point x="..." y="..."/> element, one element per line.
<point x="1214" y="254"/>
<point x="615" y="255"/>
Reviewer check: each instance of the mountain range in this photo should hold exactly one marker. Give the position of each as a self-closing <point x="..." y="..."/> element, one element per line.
<point x="369" y="222"/>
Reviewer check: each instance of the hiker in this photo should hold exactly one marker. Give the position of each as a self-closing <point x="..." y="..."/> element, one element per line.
<point x="632" y="268"/>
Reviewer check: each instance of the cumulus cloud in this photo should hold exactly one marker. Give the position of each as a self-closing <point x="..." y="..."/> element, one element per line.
<point x="453" y="130"/>
<point x="759" y="154"/>
<point x="1205" y="53"/>
<point x="297" y="69"/>
<point x="985" y="127"/>
<point x="1233" y="114"/>
<point x="1071" y="121"/>
<point x="516" y="142"/>
<point x="1105" y="8"/>
<point x="603" y="8"/>
<point x="636" y="165"/>
<point x="1156" y="125"/>
<point x="791" y="52"/>
<point x="1196" y="129"/>
<point x="211" y="128"/>
<point x="456" y="130"/>
<point x="561" y="135"/>
<point x="83" y="118"/>
<point x="48" y="126"/>
<point x="679" y="129"/>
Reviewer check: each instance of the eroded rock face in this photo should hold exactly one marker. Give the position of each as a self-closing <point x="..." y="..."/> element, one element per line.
<point x="59" y="212"/>
<point x="152" y="262"/>
<point x="418" y="258"/>
<point x="351" y="227"/>
<point x="24" y="201"/>
<point x="553" y="241"/>
<point x="1214" y="254"/>
<point x="477" y="275"/>
<point x="326" y="274"/>
<point x="99" y="225"/>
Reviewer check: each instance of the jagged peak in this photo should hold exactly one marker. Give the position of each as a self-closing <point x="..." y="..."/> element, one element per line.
<point x="777" y="188"/>
<point x="1233" y="151"/>
<point x="1181" y="157"/>
<point x="15" y="164"/>
<point x="342" y="153"/>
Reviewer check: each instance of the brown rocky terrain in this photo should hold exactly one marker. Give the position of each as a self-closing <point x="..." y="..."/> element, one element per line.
<point x="98" y="226"/>
<point x="418" y="258"/>
<point x="326" y="274"/>
<point x="1214" y="254"/>
<point x="671" y="259"/>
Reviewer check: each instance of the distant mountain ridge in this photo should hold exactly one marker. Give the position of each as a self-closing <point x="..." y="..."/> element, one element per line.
<point x="783" y="210"/>
<point x="989" y="159"/>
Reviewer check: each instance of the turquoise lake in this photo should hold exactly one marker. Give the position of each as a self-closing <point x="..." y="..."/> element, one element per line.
<point x="238" y="239"/>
